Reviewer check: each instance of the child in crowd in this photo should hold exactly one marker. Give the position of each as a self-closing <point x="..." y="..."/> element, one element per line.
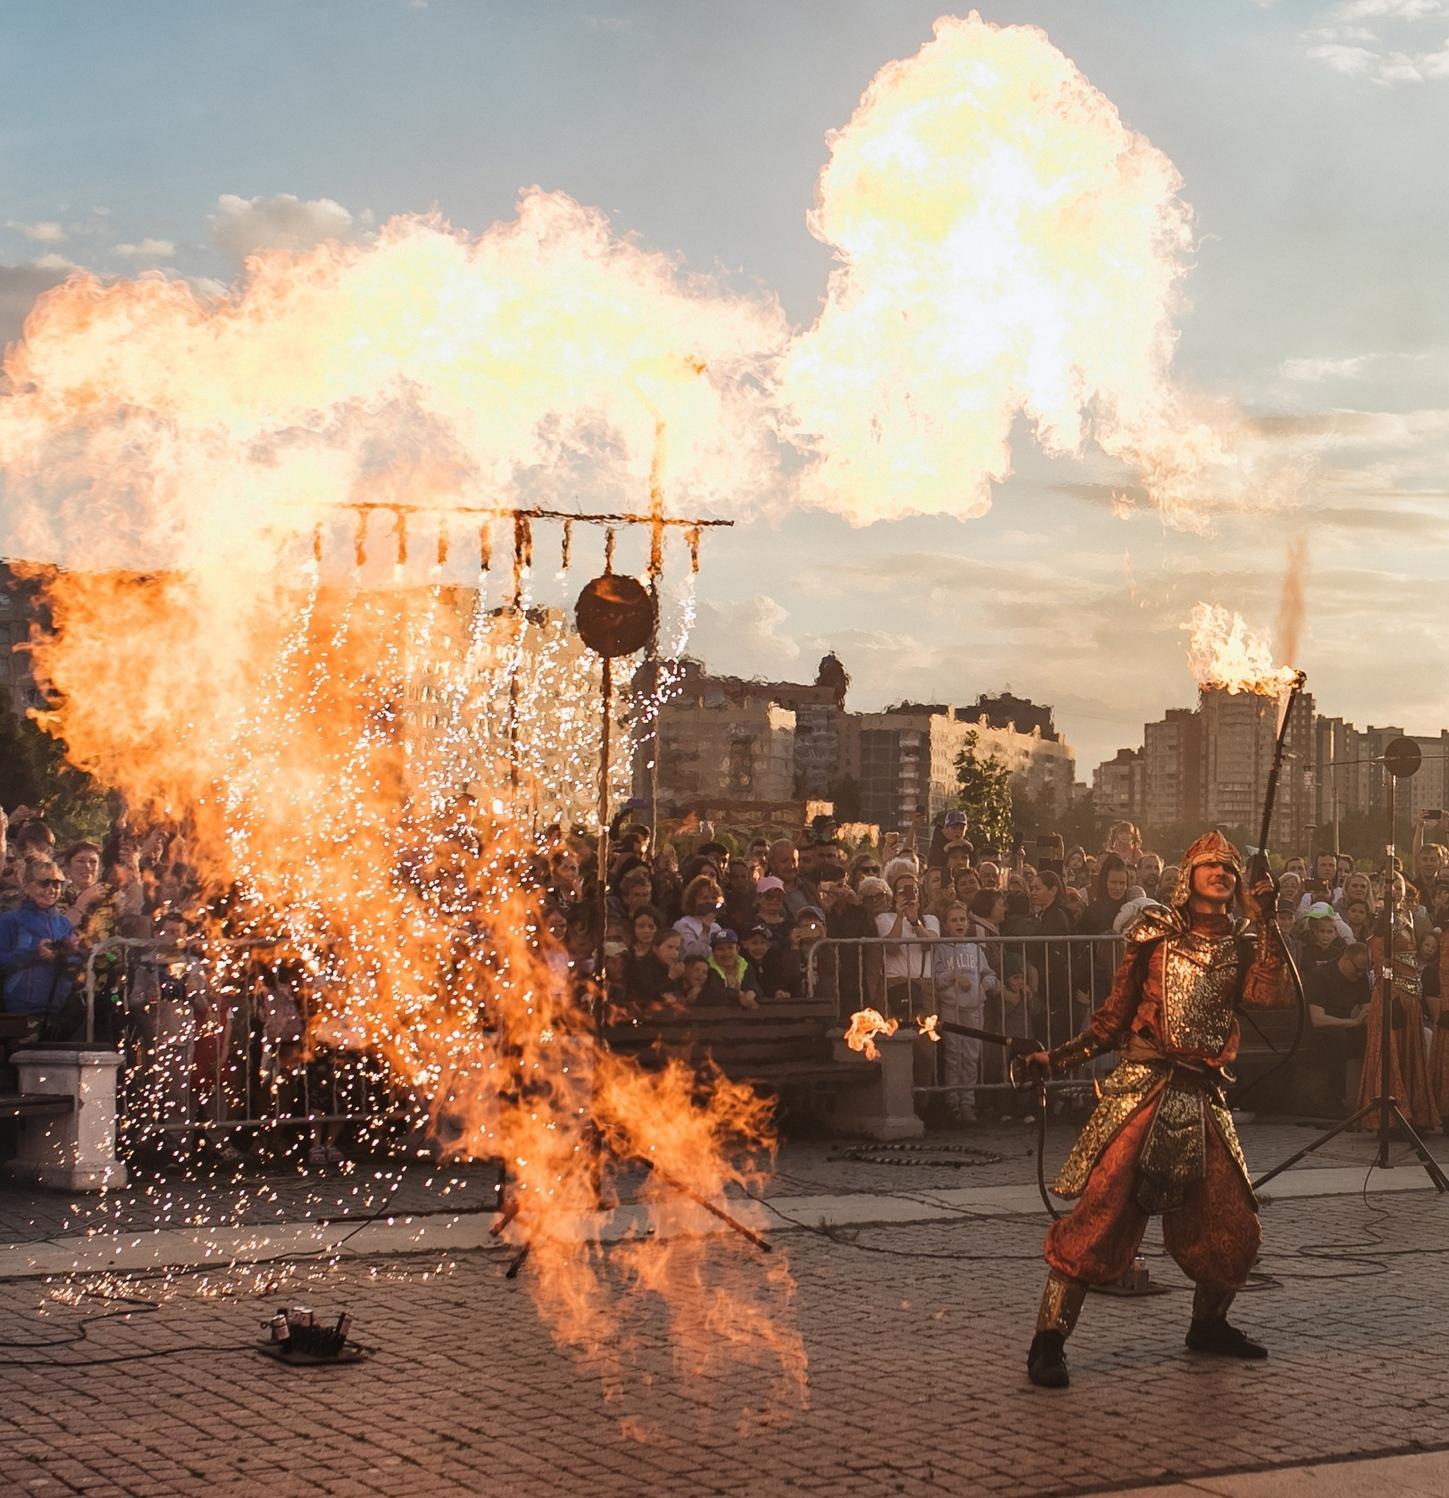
<point x="735" y="972"/>
<point x="785" y="966"/>
<point x="659" y="977"/>
<point x="701" y="985"/>
<point x="962" y="979"/>
<point x="756" y="947"/>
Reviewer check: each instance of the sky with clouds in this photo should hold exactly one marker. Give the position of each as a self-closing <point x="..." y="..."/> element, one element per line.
<point x="178" y="138"/>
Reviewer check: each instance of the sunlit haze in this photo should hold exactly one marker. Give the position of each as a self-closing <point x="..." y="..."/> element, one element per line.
<point x="1299" y="305"/>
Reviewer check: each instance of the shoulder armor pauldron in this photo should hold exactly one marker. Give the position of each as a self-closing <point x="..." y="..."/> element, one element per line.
<point x="1155" y="923"/>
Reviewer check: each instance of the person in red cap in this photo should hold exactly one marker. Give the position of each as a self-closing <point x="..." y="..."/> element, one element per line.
<point x="1162" y="1139"/>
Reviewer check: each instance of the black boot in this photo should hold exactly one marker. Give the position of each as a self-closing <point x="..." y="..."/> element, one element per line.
<point x="1046" y="1364"/>
<point x="1217" y="1337"/>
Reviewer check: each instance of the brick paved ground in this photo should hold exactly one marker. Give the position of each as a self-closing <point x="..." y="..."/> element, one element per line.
<point x="915" y="1382"/>
<point x="210" y="1197"/>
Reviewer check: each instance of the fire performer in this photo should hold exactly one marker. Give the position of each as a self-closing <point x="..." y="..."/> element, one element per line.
<point x="1162" y="1139"/>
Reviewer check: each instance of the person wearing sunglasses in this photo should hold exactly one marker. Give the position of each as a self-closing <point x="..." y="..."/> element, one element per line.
<point x="38" y="948"/>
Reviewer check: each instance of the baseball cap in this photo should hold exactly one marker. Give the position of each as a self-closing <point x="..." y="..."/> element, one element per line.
<point x="1320" y="910"/>
<point x="760" y="931"/>
<point x="955" y="819"/>
<point x="768" y="883"/>
<point x="722" y="934"/>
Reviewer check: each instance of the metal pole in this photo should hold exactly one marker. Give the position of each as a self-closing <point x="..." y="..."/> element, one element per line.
<point x="1333" y="769"/>
<point x="1386" y="984"/>
<point x="605" y="726"/>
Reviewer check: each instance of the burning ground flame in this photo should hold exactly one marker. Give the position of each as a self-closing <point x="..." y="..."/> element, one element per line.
<point x="367" y="733"/>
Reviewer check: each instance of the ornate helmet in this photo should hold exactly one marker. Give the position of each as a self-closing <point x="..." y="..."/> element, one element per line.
<point x="1211" y="847"/>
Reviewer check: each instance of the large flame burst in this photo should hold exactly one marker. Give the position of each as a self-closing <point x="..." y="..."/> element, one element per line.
<point x="336" y="796"/>
<point x="366" y="741"/>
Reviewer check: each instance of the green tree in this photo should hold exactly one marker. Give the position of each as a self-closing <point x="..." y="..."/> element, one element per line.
<point x="34" y="772"/>
<point x="1082" y="824"/>
<point x="984" y="794"/>
<point x="1027" y="817"/>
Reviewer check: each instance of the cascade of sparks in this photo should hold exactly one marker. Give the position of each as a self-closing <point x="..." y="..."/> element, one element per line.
<point x="368" y="750"/>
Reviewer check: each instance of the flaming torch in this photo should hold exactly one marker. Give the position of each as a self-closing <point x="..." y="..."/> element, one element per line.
<point x="1224" y="652"/>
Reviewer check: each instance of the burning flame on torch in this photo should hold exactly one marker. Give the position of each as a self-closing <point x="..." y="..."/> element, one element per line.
<point x="1227" y="653"/>
<point x="1224" y="651"/>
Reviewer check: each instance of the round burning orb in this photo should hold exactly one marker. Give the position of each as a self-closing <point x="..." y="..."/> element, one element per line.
<point x="614" y="614"/>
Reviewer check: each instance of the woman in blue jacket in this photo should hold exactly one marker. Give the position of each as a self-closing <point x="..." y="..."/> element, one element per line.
<point x="38" y="946"/>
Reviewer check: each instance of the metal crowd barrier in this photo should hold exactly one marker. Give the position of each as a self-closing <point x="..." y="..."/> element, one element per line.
<point x="213" y="1047"/>
<point x="1041" y="988"/>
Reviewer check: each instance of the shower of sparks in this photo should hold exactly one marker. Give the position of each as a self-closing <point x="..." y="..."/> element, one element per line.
<point x="373" y="817"/>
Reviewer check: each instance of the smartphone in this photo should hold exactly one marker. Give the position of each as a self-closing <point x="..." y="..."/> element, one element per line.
<point x="1434" y="816"/>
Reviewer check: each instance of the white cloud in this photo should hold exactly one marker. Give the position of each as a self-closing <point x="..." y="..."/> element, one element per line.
<point x="53" y="261"/>
<point x="1352" y="62"/>
<point x="1398" y="10"/>
<point x="1344" y="429"/>
<point x="242" y="226"/>
<point x="745" y="637"/>
<point x="147" y="249"/>
<point x="45" y="232"/>
<point x="1381" y="41"/>
<point x="1312" y="371"/>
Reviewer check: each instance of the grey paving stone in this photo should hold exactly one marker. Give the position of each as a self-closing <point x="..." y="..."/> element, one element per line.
<point x="916" y="1335"/>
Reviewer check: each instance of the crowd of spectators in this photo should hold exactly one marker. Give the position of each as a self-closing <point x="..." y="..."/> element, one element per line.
<point x="102" y="940"/>
<point x="920" y="925"/>
<point x="1026" y="945"/>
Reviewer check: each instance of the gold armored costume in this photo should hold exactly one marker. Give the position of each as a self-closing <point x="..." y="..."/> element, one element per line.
<point x="1162" y="1138"/>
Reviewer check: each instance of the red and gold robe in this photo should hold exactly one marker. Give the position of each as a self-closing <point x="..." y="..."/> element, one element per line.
<point x="1411" y="1069"/>
<point x="1162" y="1137"/>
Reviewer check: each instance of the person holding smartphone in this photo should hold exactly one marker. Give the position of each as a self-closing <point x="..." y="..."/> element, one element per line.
<point x="907" y="953"/>
<point x="1428" y="857"/>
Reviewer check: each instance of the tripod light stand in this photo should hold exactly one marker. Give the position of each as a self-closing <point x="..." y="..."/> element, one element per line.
<point x="1401" y="759"/>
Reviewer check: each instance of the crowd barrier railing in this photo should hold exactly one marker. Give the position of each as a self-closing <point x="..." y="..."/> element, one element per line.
<point x="1041" y="988"/>
<point x="213" y="1046"/>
